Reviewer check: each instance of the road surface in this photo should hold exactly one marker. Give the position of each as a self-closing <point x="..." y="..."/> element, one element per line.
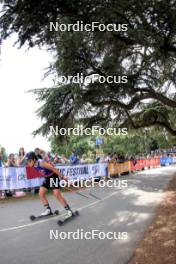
<point x="121" y="210"/>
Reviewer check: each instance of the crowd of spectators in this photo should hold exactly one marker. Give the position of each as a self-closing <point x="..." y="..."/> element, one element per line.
<point x="18" y="159"/>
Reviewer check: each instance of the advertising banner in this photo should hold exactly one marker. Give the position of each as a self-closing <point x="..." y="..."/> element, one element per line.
<point x="12" y="178"/>
<point x="117" y="168"/>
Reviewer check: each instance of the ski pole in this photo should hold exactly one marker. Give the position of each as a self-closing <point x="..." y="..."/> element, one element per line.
<point x="96" y="197"/>
<point x="77" y="192"/>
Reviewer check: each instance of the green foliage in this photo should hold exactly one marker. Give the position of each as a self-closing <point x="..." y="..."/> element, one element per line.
<point x="142" y="141"/>
<point x="81" y="145"/>
<point x="146" y="53"/>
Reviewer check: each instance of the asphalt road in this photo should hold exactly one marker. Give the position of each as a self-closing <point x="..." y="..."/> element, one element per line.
<point x="127" y="211"/>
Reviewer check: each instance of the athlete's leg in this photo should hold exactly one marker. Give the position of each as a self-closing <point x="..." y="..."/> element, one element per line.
<point x="42" y="195"/>
<point x="61" y="199"/>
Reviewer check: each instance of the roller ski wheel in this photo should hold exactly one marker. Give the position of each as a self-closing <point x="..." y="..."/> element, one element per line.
<point x="35" y="218"/>
<point x="67" y="218"/>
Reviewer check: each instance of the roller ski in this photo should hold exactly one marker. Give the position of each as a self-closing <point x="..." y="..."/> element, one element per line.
<point x="46" y="214"/>
<point x="67" y="217"/>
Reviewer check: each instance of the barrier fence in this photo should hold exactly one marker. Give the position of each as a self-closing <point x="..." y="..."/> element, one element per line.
<point x="137" y="165"/>
<point x="12" y="178"/>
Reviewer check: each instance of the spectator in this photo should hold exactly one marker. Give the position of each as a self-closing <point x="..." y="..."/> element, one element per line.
<point x="21" y="157"/>
<point x="1" y="163"/>
<point x="133" y="160"/>
<point x="43" y="154"/>
<point x="83" y="159"/>
<point x="2" y="193"/>
<point x="11" y="161"/>
<point x="47" y="157"/>
<point x="73" y="158"/>
<point x="64" y="160"/>
<point x="4" y="156"/>
<point x="38" y="153"/>
<point x="108" y="158"/>
<point x="57" y="159"/>
<point x="97" y="160"/>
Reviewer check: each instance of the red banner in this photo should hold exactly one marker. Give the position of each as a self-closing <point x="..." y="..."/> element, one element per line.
<point x="145" y="163"/>
<point x="140" y="164"/>
<point x="33" y="173"/>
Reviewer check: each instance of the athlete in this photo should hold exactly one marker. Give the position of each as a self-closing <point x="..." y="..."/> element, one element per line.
<point x="51" y="175"/>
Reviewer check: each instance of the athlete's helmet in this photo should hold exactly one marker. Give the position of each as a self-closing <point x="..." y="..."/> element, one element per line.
<point x="31" y="156"/>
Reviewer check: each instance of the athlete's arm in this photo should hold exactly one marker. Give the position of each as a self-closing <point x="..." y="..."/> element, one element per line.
<point x="52" y="168"/>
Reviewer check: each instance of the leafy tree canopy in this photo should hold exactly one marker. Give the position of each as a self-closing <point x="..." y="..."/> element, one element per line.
<point x="146" y="53"/>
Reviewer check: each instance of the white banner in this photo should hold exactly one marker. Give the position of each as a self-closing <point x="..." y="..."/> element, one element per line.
<point x="84" y="171"/>
<point x="12" y="178"/>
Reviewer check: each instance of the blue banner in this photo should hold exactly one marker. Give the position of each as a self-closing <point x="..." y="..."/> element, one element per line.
<point x="165" y="161"/>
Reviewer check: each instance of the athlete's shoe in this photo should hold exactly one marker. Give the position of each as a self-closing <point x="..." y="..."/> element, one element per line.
<point x="2" y="196"/>
<point x="46" y="212"/>
<point x="69" y="213"/>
